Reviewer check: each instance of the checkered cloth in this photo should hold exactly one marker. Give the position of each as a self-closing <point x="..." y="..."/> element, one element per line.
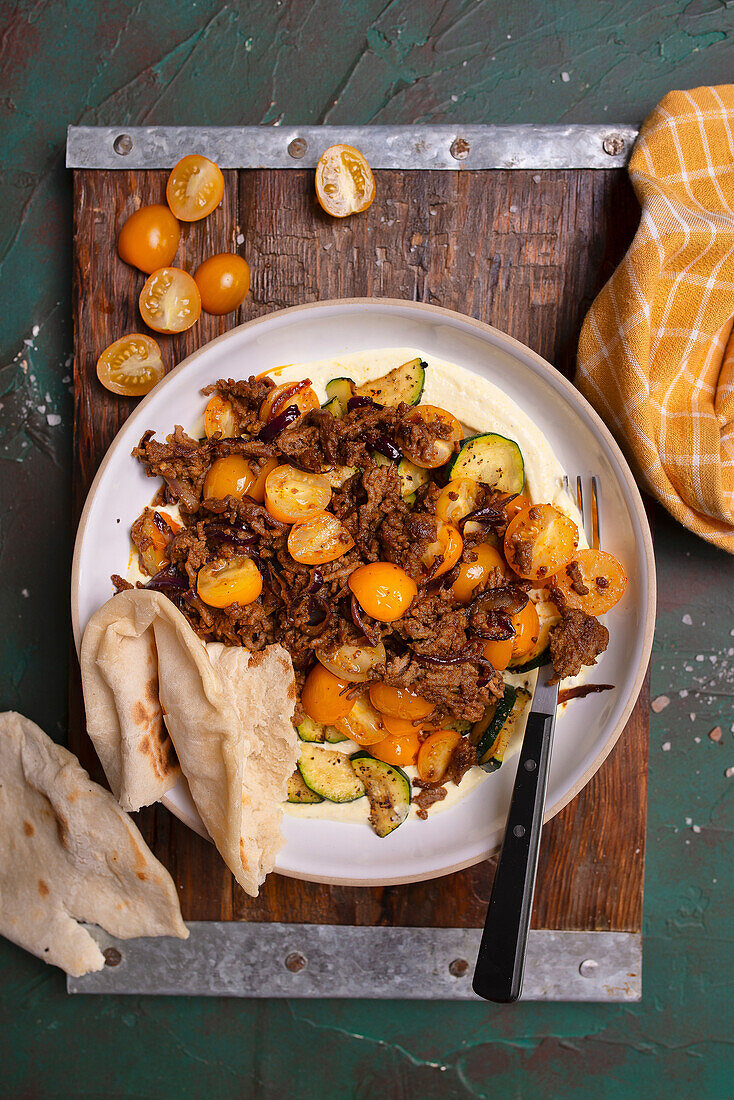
<point x="656" y="353"/>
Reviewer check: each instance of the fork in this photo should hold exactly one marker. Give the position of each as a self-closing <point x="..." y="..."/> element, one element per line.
<point x="500" y="965"/>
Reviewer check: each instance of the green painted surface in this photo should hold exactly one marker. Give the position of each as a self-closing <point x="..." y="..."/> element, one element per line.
<point x="323" y="61"/>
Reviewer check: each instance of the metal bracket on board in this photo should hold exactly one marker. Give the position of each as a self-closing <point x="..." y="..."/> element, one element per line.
<point x="447" y="147"/>
<point x="232" y="959"/>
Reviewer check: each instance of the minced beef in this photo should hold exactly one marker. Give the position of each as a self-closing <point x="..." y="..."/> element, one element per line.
<point x="428" y="795"/>
<point x="463" y="758"/>
<point x="576" y="641"/>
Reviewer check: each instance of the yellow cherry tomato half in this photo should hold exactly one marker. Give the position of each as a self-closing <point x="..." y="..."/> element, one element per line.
<point x="344" y="181"/>
<point x="399" y="727"/>
<point x="319" y="539"/>
<point x="223" y="281"/>
<point x="323" y="698"/>
<point x="439" y="451"/>
<point x="149" y="238"/>
<point x="519" y="504"/>
<point x="169" y="301"/>
<point x="384" y="591"/>
<point x="457" y="499"/>
<point x="399" y="702"/>
<point x="448" y="544"/>
<point x="292" y="495"/>
<point x="435" y="755"/>
<point x="352" y="662"/>
<point x="231" y="476"/>
<point x="131" y="366"/>
<point x="281" y="397"/>
<point x="153" y="540"/>
<point x="362" y="724"/>
<point x="195" y="188"/>
<point x="402" y="751"/>
<point x="539" y="541"/>
<point x="473" y="575"/>
<point x="219" y="417"/>
<point x="527" y="631"/>
<point x="234" y="580"/>
<point x="600" y="573"/>
<point x="499" y="652"/>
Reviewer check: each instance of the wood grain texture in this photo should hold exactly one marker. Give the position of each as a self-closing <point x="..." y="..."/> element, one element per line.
<point x="525" y="251"/>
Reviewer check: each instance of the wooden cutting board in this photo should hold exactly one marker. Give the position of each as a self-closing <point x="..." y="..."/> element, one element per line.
<point x="524" y="251"/>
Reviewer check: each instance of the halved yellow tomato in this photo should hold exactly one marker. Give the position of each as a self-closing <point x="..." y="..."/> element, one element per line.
<point x="440" y="450"/>
<point x="323" y="698"/>
<point x="449" y="544"/>
<point x="131" y="366"/>
<point x="319" y="539"/>
<point x="223" y="281"/>
<point x="527" y="631"/>
<point x="600" y="573"/>
<point x="399" y="702"/>
<point x="195" y="188"/>
<point x="457" y="499"/>
<point x="362" y="724"/>
<point x="435" y="755"/>
<point x="352" y="662"/>
<point x="344" y="181"/>
<point x="149" y="238"/>
<point x="398" y="727"/>
<point x="518" y="504"/>
<point x="292" y="494"/>
<point x="384" y="591"/>
<point x="169" y="301"/>
<point x="219" y="417"/>
<point x="234" y="580"/>
<point x="402" y="751"/>
<point x="473" y="575"/>
<point x="499" y="652"/>
<point x="281" y="397"/>
<point x="152" y="533"/>
<point x="539" y="541"/>
<point x="231" y="476"/>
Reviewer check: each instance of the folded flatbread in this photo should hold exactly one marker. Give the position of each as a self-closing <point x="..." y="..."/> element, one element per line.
<point x="124" y="718"/>
<point x="68" y="853"/>
<point x="229" y="714"/>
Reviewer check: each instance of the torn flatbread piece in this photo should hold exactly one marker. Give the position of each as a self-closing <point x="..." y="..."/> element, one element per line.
<point x="229" y="714"/>
<point x="68" y="853"/>
<point x="124" y="719"/>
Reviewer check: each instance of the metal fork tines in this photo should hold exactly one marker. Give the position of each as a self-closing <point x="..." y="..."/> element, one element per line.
<point x="591" y="511"/>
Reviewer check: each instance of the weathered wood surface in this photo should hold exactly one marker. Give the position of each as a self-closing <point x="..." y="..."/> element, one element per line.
<point x="525" y="251"/>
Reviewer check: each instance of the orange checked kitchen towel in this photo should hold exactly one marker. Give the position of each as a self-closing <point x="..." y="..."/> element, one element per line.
<point x="656" y="353"/>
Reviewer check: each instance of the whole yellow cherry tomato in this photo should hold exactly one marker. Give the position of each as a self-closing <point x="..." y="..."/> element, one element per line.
<point x="384" y="591"/>
<point x="234" y="580"/>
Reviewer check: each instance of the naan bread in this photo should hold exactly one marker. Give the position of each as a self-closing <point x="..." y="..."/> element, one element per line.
<point x="68" y="853"/>
<point x="124" y="718"/>
<point x="229" y="714"/>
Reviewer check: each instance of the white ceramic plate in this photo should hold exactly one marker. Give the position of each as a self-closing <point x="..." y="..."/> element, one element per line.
<point x="334" y="852"/>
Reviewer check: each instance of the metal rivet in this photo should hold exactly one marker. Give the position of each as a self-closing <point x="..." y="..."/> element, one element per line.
<point x="460" y="148"/>
<point x="587" y="968"/>
<point x="458" y="968"/>
<point x="519" y="831"/>
<point x="295" y="962"/>
<point x="297" y="148"/>
<point x="614" y="144"/>
<point x="122" y="144"/>
<point x="530" y="765"/>
<point x="112" y="956"/>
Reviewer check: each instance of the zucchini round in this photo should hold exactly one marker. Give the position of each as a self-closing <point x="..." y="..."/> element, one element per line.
<point x="329" y="773"/>
<point x="388" y="790"/>
<point x="491" y="459"/>
<point x="338" y="392"/>
<point x="299" y="793"/>
<point x="404" y="383"/>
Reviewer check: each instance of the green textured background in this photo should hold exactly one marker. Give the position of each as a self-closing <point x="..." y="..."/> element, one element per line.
<point x="366" y="61"/>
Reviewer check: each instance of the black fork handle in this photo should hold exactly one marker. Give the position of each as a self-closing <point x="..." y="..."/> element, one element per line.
<point x="501" y="961"/>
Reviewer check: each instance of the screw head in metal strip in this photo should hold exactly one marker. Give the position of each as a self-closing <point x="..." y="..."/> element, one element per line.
<point x="123" y="144"/>
<point x="297" y="148"/>
<point x="613" y="144"/>
<point x="587" y="968"/>
<point x="295" y="962"/>
<point x="458" y="968"/>
<point x="460" y="148"/>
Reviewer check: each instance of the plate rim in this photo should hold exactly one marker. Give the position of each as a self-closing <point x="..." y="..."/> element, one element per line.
<point x="573" y="396"/>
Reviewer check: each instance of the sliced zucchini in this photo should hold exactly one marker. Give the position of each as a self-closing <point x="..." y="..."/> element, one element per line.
<point x="491" y="753"/>
<point x="330" y="774"/>
<point x="338" y="392"/>
<point x="315" y="732"/>
<point x="484" y="732"/>
<point x="411" y="476"/>
<point x="338" y="475"/>
<point x="388" y="791"/>
<point x="491" y="459"/>
<point x="299" y="792"/>
<point x="537" y="661"/>
<point x="333" y="736"/>
<point x="404" y="383"/>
